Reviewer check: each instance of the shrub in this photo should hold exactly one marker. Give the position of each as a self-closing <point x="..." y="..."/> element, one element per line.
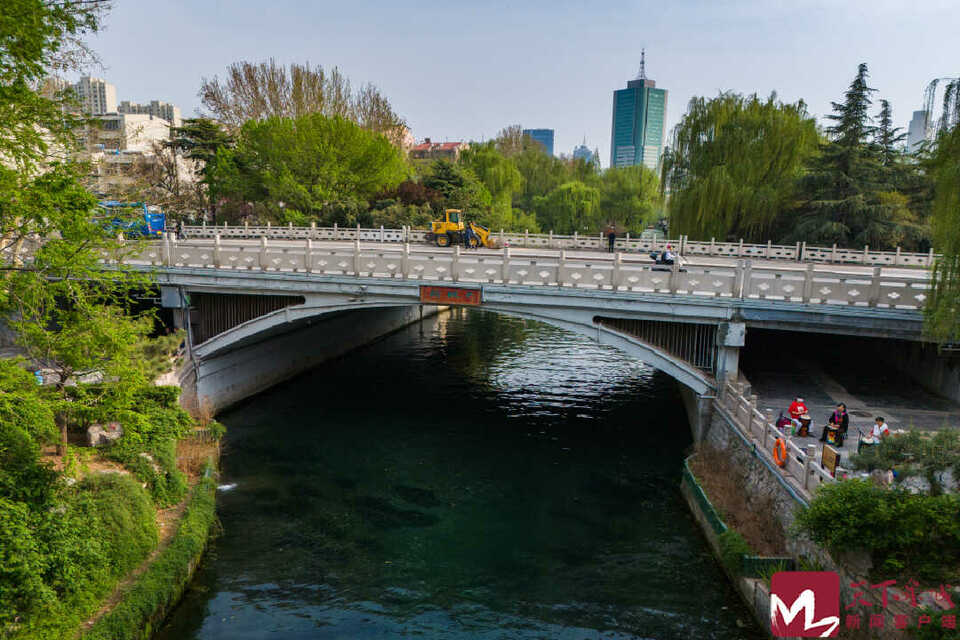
<point x="153" y="428"/>
<point x="733" y="547"/>
<point x="915" y="453"/>
<point x="72" y="555"/>
<point x="911" y="536"/>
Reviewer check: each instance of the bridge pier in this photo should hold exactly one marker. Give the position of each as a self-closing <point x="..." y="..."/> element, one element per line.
<point x="731" y="337"/>
<point x="699" y="408"/>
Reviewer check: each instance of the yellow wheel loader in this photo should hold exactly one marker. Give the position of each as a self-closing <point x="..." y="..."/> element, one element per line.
<point x="452" y="230"/>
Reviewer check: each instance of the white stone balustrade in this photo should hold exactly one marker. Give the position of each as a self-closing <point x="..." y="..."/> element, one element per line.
<point x="798" y="252"/>
<point x="810" y="285"/>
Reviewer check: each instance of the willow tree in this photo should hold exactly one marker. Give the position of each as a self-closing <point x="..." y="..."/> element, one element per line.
<point x="943" y="308"/>
<point x="733" y="165"/>
<point x="573" y="206"/>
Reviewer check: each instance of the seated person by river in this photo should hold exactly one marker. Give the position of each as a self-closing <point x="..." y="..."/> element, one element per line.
<point x="879" y="431"/>
<point x="836" y="428"/>
<point x="800" y="416"/>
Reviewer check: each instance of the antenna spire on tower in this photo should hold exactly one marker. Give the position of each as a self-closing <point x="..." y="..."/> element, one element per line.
<point x="643" y="65"/>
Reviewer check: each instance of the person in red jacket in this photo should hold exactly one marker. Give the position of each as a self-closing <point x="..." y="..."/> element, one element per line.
<point x="798" y="409"/>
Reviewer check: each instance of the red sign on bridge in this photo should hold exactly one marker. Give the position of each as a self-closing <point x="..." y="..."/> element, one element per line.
<point x="449" y="295"/>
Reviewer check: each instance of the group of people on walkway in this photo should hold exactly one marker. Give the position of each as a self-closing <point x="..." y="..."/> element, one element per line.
<point x="835" y="430"/>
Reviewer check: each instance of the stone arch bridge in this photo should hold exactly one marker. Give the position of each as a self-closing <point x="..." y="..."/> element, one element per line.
<point x="257" y="313"/>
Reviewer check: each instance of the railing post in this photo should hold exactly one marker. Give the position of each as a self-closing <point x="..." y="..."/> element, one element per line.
<point x="246" y="228"/>
<point x="216" y="250"/>
<point x="769" y="243"/>
<point x="808" y="283"/>
<point x="336" y="232"/>
<point x="455" y="266"/>
<point x="308" y="256"/>
<point x="550" y="241"/>
<point x="356" y="255"/>
<point x="263" y="253"/>
<point x="740" y="249"/>
<point x="166" y="250"/>
<point x="810" y="459"/>
<point x="405" y="261"/>
<point x="575" y="243"/>
<point x="358" y="231"/>
<point x="803" y="251"/>
<point x="833" y="253"/>
<point x="875" y="288"/>
<point x="930" y="258"/>
<point x="674" y="270"/>
<point x="866" y="254"/>
<point x="381" y="234"/>
<point x="505" y="267"/>
<point x="615" y="279"/>
<point x="796" y="253"/>
<point x="562" y="262"/>
<point x="896" y="260"/>
<point x="503" y="242"/>
<point x="600" y="240"/>
<point x="740" y="282"/>
<point x="313" y="229"/>
<point x="526" y="238"/>
<point x="683" y="244"/>
<point x="712" y="243"/>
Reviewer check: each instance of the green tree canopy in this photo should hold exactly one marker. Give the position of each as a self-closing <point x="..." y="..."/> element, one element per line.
<point x="307" y="163"/>
<point x="943" y="308"/>
<point x="573" y="206"/>
<point x="629" y="196"/>
<point x="733" y="165"/>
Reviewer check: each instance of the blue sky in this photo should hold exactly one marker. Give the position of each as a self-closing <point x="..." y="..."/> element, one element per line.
<point x="463" y="70"/>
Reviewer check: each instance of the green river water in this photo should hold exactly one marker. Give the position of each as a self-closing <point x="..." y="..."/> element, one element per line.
<point x="473" y="476"/>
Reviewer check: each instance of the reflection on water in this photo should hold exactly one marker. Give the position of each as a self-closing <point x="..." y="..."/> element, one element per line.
<point x="471" y="477"/>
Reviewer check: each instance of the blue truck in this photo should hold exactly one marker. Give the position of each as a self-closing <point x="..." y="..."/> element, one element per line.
<point x="132" y="219"/>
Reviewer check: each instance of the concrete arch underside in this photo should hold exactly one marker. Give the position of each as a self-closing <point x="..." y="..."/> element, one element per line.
<point x="294" y="319"/>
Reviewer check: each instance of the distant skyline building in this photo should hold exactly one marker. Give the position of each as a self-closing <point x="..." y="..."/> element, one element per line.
<point x="156" y="108"/>
<point x="638" y="127"/>
<point x="583" y="152"/>
<point x="543" y="136"/>
<point x="917" y="132"/>
<point x="96" y="96"/>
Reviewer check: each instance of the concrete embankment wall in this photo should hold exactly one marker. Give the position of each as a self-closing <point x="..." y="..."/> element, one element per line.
<point x="764" y="481"/>
<point x="754" y="592"/>
<point x="228" y="378"/>
<point x="939" y="373"/>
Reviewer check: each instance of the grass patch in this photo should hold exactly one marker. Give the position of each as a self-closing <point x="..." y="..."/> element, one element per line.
<point x="150" y="598"/>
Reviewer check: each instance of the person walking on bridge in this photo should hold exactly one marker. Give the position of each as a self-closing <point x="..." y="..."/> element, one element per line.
<point x="611" y="238"/>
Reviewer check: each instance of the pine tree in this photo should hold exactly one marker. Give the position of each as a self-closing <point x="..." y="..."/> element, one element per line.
<point x="847" y="195"/>
<point x="887" y="136"/>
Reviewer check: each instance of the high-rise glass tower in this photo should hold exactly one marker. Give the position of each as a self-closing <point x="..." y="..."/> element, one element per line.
<point x="639" y="114"/>
<point x="543" y="136"/>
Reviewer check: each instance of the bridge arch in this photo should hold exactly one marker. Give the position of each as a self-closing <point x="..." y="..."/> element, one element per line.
<point x="581" y="322"/>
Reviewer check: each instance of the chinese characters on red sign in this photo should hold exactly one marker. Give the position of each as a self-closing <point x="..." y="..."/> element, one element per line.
<point x="449" y="295"/>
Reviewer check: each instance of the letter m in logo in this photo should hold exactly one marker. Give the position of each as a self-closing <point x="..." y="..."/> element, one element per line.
<point x="805" y="604"/>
